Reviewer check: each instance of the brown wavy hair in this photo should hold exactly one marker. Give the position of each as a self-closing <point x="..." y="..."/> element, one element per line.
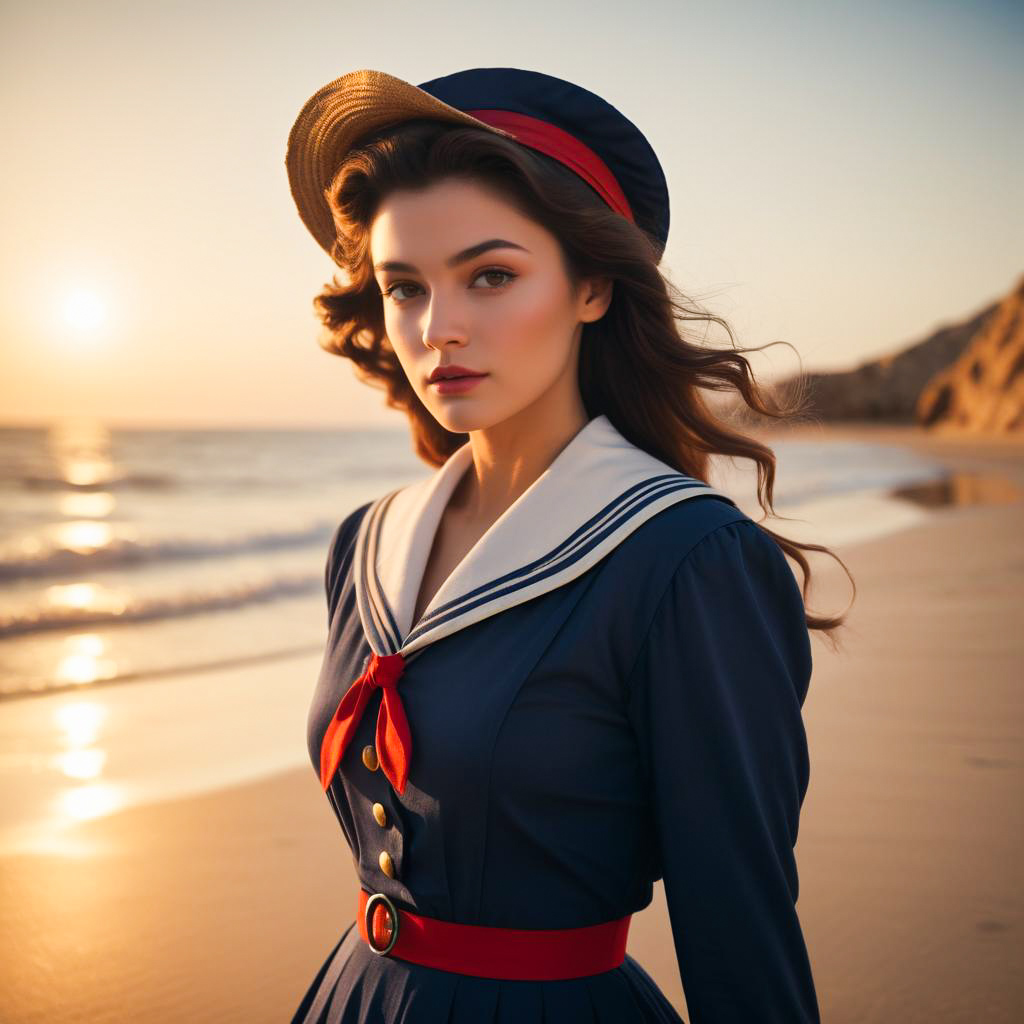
<point x="637" y="366"/>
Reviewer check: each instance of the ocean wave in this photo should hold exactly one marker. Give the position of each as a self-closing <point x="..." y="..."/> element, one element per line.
<point x="127" y="481"/>
<point x="112" y="609"/>
<point x="123" y="552"/>
<point x="40" y="688"/>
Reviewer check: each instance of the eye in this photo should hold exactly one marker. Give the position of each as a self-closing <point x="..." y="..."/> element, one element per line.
<point x="393" y="290"/>
<point x="389" y="292"/>
<point x="491" y="272"/>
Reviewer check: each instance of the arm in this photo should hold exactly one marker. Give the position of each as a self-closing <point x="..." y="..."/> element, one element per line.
<point x="715" y="698"/>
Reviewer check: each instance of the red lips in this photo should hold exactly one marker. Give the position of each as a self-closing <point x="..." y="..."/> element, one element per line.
<point x="450" y="370"/>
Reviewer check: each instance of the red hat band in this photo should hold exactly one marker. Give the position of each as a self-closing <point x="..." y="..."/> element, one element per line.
<point x="551" y="140"/>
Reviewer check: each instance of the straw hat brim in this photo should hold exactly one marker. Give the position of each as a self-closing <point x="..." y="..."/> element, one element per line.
<point x="334" y="118"/>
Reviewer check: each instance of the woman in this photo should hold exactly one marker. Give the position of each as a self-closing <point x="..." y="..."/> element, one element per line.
<point x="562" y="666"/>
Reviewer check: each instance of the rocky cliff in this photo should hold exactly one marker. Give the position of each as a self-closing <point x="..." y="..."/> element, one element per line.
<point x="982" y="391"/>
<point x="966" y="376"/>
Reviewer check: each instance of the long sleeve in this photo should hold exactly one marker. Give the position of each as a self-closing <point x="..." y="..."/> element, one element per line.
<point x="715" y="698"/>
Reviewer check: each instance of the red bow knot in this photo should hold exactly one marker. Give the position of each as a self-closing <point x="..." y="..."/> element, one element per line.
<point x="393" y="739"/>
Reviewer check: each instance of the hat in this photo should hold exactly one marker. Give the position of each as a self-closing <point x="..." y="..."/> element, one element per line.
<point x="558" y="118"/>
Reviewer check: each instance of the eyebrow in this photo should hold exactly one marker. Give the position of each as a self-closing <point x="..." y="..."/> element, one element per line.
<point x="460" y="257"/>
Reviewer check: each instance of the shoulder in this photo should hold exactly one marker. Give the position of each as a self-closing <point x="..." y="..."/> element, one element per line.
<point x="730" y="597"/>
<point x="709" y="542"/>
<point x="707" y="550"/>
<point x="346" y="530"/>
<point x="339" y="548"/>
<point x="706" y="535"/>
<point x="667" y="538"/>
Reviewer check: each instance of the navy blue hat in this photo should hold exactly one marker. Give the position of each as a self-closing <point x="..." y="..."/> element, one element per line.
<point x="563" y="120"/>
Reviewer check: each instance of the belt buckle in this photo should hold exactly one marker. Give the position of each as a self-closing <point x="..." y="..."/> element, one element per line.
<point x="380" y="906"/>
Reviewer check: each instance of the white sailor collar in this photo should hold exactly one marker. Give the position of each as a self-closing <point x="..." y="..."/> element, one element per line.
<point x="595" y="493"/>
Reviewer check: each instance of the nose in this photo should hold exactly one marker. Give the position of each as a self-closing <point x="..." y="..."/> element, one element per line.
<point x="443" y="322"/>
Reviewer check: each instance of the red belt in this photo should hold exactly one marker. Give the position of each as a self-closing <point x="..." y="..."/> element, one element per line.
<point x="524" y="954"/>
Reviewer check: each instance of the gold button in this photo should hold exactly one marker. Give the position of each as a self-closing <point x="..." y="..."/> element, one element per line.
<point x="380" y="814"/>
<point x="370" y="758"/>
<point x="386" y="864"/>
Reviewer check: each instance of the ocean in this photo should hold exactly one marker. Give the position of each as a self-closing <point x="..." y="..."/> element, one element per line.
<point x="162" y="609"/>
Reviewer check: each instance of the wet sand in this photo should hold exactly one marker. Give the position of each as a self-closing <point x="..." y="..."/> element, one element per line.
<point x="222" y="907"/>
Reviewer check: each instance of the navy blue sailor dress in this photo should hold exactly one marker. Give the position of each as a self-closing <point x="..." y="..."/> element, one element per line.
<point x="606" y="691"/>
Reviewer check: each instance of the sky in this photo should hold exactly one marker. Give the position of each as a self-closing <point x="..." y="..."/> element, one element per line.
<point x="844" y="177"/>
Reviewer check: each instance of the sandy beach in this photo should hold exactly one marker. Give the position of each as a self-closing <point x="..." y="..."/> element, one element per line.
<point x="222" y="907"/>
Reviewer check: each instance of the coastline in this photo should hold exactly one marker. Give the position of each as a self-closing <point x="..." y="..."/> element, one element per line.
<point x="222" y="906"/>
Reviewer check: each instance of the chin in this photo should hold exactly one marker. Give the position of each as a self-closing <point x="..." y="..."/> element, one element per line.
<point x="460" y="424"/>
<point x="461" y="416"/>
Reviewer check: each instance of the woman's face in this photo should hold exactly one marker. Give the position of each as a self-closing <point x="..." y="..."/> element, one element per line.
<point x="479" y="286"/>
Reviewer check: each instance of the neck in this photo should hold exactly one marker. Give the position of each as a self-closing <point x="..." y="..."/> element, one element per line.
<point x="509" y="457"/>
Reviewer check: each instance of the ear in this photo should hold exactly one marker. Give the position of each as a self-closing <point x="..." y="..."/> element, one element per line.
<point x="595" y="298"/>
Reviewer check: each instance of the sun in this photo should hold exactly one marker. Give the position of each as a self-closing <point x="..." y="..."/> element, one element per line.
<point x="84" y="310"/>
